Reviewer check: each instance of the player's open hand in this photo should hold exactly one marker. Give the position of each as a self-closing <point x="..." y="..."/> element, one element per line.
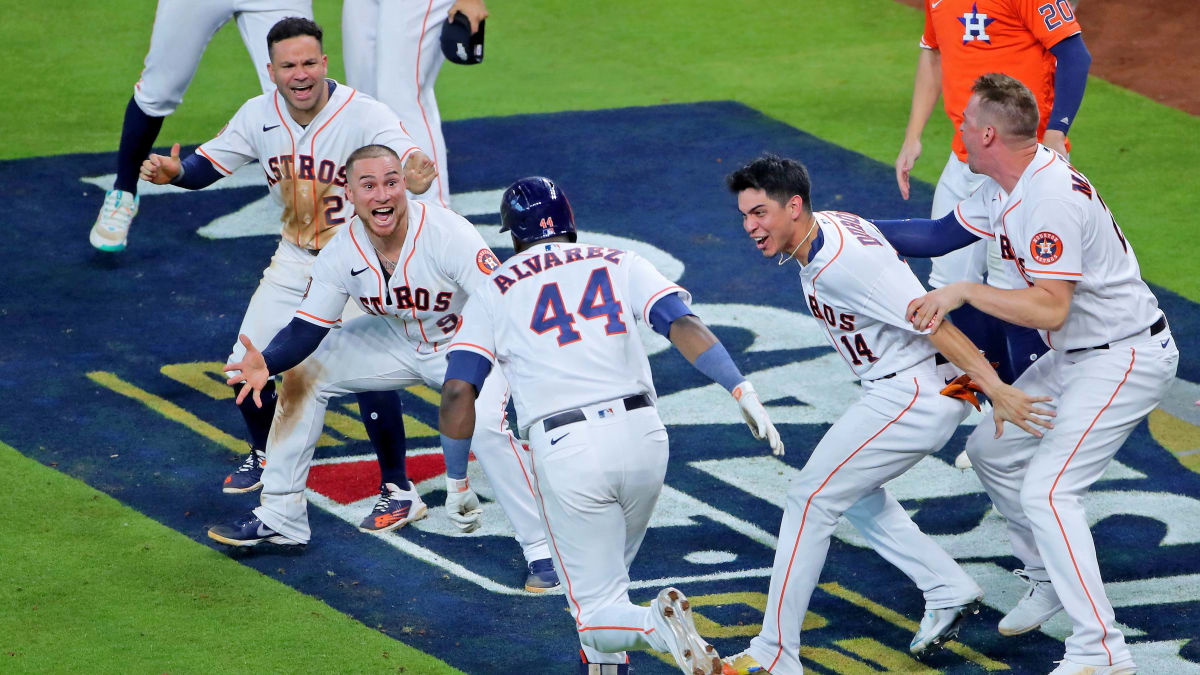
<point x="756" y="416"/>
<point x="419" y="172"/>
<point x="909" y="152"/>
<point x="161" y="170"/>
<point x="462" y="505"/>
<point x="927" y="311"/>
<point x="252" y="370"/>
<point x="474" y="10"/>
<point x="1010" y="404"/>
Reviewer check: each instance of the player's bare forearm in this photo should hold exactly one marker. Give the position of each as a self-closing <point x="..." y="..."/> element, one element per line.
<point x="1043" y="306"/>
<point x="926" y="89"/>
<point x="959" y="350"/>
<point x="691" y="337"/>
<point x="456" y="417"/>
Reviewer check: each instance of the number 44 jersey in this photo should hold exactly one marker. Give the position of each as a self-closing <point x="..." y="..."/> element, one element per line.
<point x="859" y="289"/>
<point x="560" y="312"/>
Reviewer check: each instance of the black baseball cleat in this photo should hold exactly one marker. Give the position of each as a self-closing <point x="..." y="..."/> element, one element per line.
<point x="542" y="576"/>
<point x="940" y="626"/>
<point x="248" y="531"/>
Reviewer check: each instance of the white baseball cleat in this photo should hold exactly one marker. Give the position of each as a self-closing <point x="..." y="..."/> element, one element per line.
<point x="962" y="461"/>
<point x="940" y="626"/>
<point x="1034" y="609"/>
<point x="1067" y="667"/>
<point x="111" y="229"/>
<point x="672" y="616"/>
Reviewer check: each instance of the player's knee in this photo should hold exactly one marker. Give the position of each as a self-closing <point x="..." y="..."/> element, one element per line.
<point x="155" y="104"/>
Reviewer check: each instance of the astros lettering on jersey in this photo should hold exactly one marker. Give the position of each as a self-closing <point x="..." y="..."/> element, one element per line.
<point x="305" y="165"/>
<point x="982" y="36"/>
<point x="1054" y="225"/>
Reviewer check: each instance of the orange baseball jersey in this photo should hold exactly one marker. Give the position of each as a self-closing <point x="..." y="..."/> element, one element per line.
<point x="1014" y="37"/>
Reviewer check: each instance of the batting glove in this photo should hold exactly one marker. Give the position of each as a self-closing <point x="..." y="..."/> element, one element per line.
<point x="756" y="416"/>
<point x="462" y="505"/>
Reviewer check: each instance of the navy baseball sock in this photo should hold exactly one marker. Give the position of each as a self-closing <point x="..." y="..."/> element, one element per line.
<point x="138" y="134"/>
<point x="382" y="416"/>
<point x="258" y="420"/>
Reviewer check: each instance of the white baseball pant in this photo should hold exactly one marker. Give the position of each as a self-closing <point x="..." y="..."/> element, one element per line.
<point x="597" y="482"/>
<point x="183" y="29"/>
<point x="1100" y="395"/>
<point x="898" y="421"/>
<point x="393" y="52"/>
<point x="371" y="353"/>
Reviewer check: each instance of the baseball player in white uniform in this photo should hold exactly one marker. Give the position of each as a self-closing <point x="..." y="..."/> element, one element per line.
<point x="854" y="283"/>
<point x="182" y="30"/>
<point x="301" y="134"/>
<point x="410" y="267"/>
<point x="559" y="319"/>
<point x="1112" y="358"/>
<point x="392" y="51"/>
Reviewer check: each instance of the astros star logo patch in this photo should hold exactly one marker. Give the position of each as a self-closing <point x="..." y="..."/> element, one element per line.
<point x="1046" y="247"/>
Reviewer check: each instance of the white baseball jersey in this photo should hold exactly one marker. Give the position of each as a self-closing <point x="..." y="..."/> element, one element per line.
<point x="859" y="288"/>
<point x="1054" y="225"/>
<point x="426" y="293"/>
<point x="561" y="312"/>
<point x="306" y="165"/>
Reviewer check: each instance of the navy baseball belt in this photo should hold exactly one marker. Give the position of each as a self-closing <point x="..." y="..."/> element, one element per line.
<point x="572" y="416"/>
<point x="1155" y="328"/>
<point x="938" y="360"/>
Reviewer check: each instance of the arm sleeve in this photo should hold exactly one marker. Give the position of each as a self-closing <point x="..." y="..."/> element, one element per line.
<point x="468" y="366"/>
<point x="464" y="257"/>
<point x="664" y="311"/>
<point x="1070" y="79"/>
<point x="233" y="146"/>
<point x="929" y="37"/>
<point x="716" y="364"/>
<point x="292" y="345"/>
<point x="924" y="237"/>
<point x="647" y="286"/>
<point x="475" y="330"/>
<point x="1052" y="239"/>
<point x="197" y="172"/>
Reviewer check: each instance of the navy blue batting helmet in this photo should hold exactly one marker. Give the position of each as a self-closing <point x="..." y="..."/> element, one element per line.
<point x="535" y="208"/>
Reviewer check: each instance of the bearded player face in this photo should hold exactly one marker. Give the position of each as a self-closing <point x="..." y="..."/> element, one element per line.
<point x="376" y="188"/>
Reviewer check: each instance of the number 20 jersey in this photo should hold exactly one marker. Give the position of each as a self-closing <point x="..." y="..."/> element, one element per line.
<point x="305" y="166"/>
<point x="560" y="320"/>
<point x="859" y="289"/>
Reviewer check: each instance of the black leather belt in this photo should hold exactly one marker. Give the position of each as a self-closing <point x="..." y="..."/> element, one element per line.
<point x="572" y="416"/>
<point x="1156" y="328"/>
<point x="938" y="360"/>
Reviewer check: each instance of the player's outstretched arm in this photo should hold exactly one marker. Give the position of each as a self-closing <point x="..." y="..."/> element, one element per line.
<point x="1009" y="404"/>
<point x="288" y="348"/>
<point x="161" y="170"/>
<point x="419" y="172"/>
<point x="465" y="373"/>
<point x="703" y="350"/>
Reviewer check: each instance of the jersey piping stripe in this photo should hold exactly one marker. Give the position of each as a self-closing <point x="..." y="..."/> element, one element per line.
<point x="832" y="340"/>
<point x="469" y="345"/>
<point x="215" y="162"/>
<point x="1065" y="274"/>
<point x="1066" y="540"/>
<point x="562" y="566"/>
<point x="316" y="318"/>
<point x="424" y="118"/>
<point x="963" y="221"/>
<point x="378" y="276"/>
<point x="511" y="444"/>
<point x="292" y="138"/>
<point x="416" y="236"/>
<point x="654" y="297"/>
<point x="804" y="516"/>
<point x="312" y="151"/>
<point x="1053" y="156"/>
<point x="1004" y="224"/>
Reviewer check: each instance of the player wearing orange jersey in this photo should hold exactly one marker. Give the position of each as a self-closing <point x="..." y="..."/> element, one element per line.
<point x="1038" y="42"/>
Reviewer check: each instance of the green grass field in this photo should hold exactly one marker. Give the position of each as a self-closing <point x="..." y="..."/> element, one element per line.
<point x="116" y="591"/>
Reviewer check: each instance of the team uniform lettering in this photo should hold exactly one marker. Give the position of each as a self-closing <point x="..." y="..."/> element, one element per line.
<point x="537" y="263"/>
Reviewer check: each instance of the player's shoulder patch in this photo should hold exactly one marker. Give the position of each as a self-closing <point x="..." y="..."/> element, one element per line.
<point x="487" y="261"/>
<point x="1046" y="247"/>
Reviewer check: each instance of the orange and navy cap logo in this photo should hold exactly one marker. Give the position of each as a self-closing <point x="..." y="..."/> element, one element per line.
<point x="1046" y="247"/>
<point x="487" y="261"/>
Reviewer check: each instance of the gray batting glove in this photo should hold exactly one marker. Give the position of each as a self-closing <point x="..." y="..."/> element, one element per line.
<point x="462" y="505"/>
<point x="756" y="416"/>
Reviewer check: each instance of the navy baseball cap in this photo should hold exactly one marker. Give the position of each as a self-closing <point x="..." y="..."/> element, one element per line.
<point x="458" y="44"/>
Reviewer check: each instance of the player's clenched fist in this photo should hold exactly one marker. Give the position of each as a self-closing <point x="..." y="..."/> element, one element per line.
<point x="462" y="505"/>
<point x="419" y="172"/>
<point x="756" y="416"/>
<point x="159" y="170"/>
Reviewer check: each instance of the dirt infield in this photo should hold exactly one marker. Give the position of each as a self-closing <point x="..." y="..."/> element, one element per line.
<point x="1152" y="48"/>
